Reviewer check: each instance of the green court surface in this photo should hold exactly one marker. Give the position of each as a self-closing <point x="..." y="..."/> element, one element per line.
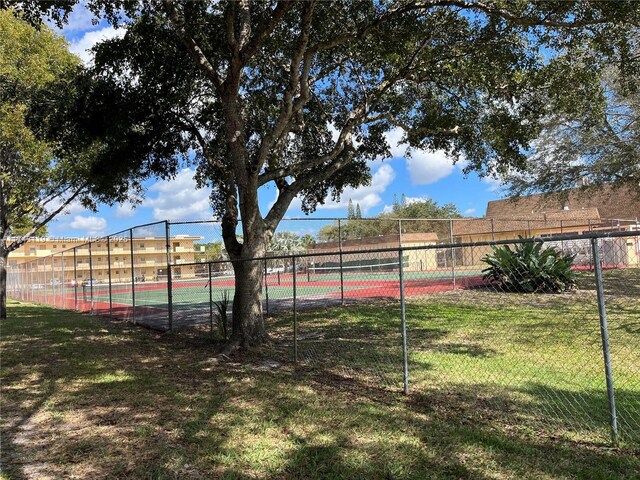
<point x="194" y="293"/>
<point x="189" y="293"/>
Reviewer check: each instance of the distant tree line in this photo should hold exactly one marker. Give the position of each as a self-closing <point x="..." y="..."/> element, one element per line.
<point x="422" y="211"/>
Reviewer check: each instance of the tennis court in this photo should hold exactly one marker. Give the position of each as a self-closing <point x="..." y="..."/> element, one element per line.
<point x="315" y="287"/>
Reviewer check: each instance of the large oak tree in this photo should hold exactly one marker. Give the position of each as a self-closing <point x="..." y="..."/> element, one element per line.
<point x="299" y="94"/>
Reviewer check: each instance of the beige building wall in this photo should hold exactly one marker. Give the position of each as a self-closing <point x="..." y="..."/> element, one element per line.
<point x="324" y="253"/>
<point x="52" y="260"/>
<point x="472" y="256"/>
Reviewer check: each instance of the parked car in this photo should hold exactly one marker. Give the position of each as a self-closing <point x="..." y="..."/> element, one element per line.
<point x="87" y="282"/>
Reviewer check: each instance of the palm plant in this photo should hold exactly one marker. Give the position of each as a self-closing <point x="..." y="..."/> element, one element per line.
<point x="528" y="268"/>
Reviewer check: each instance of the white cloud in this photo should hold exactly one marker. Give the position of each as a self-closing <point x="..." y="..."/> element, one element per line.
<point x="79" y="20"/>
<point x="72" y="209"/>
<point x="387" y="209"/>
<point x="82" y="46"/>
<point x="179" y="199"/>
<point x="495" y="184"/>
<point x="470" y="211"/>
<point x="125" y="210"/>
<point x="424" y="166"/>
<point x="93" y="226"/>
<point x="428" y="167"/>
<point x="407" y="200"/>
<point x="393" y="138"/>
<point x="367" y="196"/>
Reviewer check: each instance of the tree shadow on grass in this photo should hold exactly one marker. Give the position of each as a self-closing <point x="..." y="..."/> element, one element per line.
<point x="132" y="403"/>
<point x="463" y="433"/>
<point x="86" y="397"/>
<point x="616" y="281"/>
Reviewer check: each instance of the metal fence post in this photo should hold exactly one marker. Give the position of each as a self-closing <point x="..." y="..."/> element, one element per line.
<point x="90" y="280"/>
<point x="167" y="227"/>
<point x="453" y="253"/>
<point x="58" y="282"/>
<point x="341" y="264"/>
<point x="62" y="283"/>
<point x="75" y="280"/>
<point x="53" y="288"/>
<point x="43" y="297"/>
<point x="266" y="285"/>
<point x="211" y="301"/>
<point x="295" y="312"/>
<point x="604" y="334"/>
<point x="403" y="322"/>
<point x="35" y="282"/>
<point x="30" y="294"/>
<point x="109" y="274"/>
<point x="133" y="279"/>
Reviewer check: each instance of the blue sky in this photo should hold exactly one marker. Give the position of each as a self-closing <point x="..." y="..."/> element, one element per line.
<point x="423" y="175"/>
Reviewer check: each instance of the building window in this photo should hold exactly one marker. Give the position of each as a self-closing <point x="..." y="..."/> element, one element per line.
<point x="117" y="272"/>
<point x="42" y="247"/>
<point x="32" y="249"/>
<point x="55" y="246"/>
<point x="142" y="245"/>
<point x="64" y="246"/>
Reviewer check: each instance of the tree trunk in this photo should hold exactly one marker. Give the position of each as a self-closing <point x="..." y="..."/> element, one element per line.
<point x="248" y="323"/>
<point x="3" y="284"/>
<point x="248" y="328"/>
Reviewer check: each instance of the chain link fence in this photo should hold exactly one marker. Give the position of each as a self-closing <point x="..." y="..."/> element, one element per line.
<point x="423" y="317"/>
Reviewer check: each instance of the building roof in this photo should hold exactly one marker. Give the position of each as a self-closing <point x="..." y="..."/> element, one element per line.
<point x="533" y="221"/>
<point x="612" y="203"/>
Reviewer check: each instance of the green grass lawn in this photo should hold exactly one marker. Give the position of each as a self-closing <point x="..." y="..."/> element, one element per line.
<point x="500" y="388"/>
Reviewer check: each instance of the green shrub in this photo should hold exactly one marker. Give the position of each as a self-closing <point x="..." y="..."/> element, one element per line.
<point x="530" y="269"/>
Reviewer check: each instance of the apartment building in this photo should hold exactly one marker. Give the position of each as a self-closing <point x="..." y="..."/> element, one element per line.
<point x="574" y="213"/>
<point x="54" y="260"/>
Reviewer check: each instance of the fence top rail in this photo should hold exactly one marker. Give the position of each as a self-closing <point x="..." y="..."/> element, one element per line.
<point x="404" y="219"/>
<point x="443" y="246"/>
<point x="150" y="224"/>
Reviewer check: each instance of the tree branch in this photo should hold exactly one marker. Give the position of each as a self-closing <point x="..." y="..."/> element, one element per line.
<point x="288" y="109"/>
<point x="286" y="196"/>
<point x="265" y="29"/>
<point x="192" y="46"/>
<point x="22" y="239"/>
<point x="503" y="13"/>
